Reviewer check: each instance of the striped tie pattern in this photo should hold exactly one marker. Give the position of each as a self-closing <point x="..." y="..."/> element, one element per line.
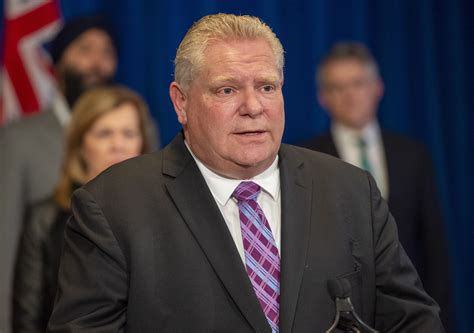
<point x="261" y="254"/>
<point x="364" y="155"/>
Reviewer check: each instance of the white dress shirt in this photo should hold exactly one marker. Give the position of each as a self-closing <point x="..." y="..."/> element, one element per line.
<point x="269" y="199"/>
<point x="346" y="141"/>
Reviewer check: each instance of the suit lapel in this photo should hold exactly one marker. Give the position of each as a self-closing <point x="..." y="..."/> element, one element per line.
<point x="331" y="146"/>
<point x="392" y="159"/>
<point x="200" y="212"/>
<point x="295" y="220"/>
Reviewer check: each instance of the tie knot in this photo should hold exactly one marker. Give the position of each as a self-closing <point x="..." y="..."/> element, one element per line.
<point x="246" y="191"/>
<point x="361" y="142"/>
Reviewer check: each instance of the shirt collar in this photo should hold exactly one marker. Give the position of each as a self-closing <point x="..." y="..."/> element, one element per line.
<point x="370" y="133"/>
<point x="222" y="187"/>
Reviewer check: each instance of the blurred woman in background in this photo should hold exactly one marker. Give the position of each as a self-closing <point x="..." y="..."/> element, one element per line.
<point x="108" y="125"/>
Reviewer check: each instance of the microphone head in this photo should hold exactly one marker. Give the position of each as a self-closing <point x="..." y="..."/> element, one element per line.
<point x="339" y="288"/>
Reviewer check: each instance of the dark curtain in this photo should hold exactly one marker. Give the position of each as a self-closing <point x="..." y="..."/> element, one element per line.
<point x="425" y="50"/>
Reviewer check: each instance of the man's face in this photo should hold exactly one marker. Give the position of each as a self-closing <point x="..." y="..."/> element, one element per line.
<point x="233" y="111"/>
<point x="88" y="61"/>
<point x="351" y="92"/>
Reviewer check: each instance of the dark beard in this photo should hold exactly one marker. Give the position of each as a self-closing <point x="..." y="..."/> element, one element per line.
<point x="74" y="85"/>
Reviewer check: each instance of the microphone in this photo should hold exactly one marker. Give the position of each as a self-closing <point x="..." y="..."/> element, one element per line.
<point x="346" y="319"/>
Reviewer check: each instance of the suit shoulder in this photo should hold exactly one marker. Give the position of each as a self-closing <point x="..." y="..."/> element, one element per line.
<point x="320" y="161"/>
<point x="24" y="132"/>
<point x="137" y="170"/>
<point x="403" y="143"/>
<point x="402" y="140"/>
<point x="319" y="142"/>
<point x="25" y="125"/>
<point x="330" y="173"/>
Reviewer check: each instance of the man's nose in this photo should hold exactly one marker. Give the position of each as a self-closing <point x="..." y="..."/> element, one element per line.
<point x="252" y="104"/>
<point x="101" y="61"/>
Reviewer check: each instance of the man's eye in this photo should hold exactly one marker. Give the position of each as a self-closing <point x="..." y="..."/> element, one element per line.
<point x="225" y="91"/>
<point x="268" y="88"/>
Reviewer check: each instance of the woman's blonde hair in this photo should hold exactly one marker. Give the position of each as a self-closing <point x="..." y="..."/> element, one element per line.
<point x="89" y="107"/>
<point x="220" y="27"/>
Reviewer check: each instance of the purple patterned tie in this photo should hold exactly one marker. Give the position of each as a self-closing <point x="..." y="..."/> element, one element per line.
<point x="261" y="254"/>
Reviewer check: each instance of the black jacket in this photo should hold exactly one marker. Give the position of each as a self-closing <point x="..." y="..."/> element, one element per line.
<point x="413" y="201"/>
<point x="148" y="250"/>
<point x="37" y="266"/>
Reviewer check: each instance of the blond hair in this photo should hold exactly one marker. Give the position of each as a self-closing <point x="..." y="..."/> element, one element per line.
<point x="220" y="27"/>
<point x="342" y="51"/>
<point x="89" y="107"/>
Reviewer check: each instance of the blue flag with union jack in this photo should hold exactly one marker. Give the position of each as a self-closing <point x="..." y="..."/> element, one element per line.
<point x="27" y="82"/>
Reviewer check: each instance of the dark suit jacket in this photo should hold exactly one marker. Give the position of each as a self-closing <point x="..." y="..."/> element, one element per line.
<point x="147" y="250"/>
<point x="414" y="203"/>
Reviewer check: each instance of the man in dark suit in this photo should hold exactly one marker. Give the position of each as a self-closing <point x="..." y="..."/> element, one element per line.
<point x="350" y="88"/>
<point x="226" y="229"/>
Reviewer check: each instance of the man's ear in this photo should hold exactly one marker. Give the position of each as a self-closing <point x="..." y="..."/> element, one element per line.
<point x="321" y="97"/>
<point x="179" y="100"/>
<point x="380" y="89"/>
